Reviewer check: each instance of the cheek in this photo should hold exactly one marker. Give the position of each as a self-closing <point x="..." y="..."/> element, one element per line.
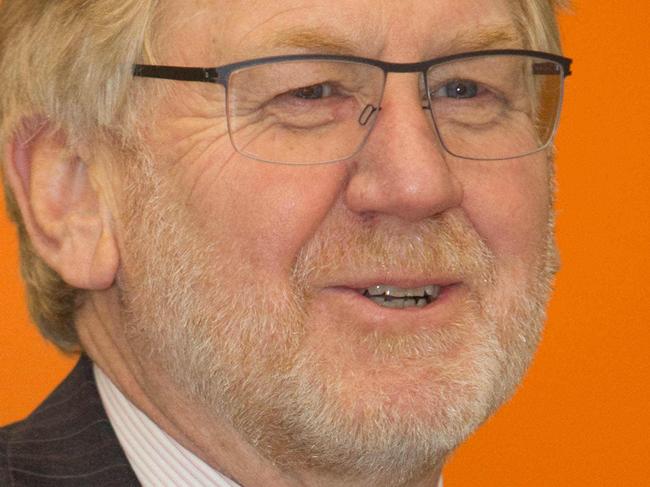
<point x="257" y="214"/>
<point x="264" y="212"/>
<point x="508" y="203"/>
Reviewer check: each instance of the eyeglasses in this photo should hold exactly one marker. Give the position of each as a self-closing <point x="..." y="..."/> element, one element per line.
<point x="311" y="109"/>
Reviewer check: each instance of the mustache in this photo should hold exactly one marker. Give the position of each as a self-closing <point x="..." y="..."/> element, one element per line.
<point x="445" y="244"/>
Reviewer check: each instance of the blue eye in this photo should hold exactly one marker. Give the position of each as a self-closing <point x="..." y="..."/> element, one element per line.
<point x="458" y="89"/>
<point x="313" y="92"/>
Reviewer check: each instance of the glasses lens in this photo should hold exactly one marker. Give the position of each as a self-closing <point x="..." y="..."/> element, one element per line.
<point x="495" y="106"/>
<point x="303" y="112"/>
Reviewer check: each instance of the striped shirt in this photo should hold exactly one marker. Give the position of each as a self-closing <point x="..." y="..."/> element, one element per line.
<point x="156" y="458"/>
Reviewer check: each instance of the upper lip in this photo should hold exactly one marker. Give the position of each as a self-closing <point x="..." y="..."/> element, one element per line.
<point x="401" y="282"/>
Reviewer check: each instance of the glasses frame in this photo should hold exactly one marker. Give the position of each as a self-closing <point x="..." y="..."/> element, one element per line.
<point x="221" y="75"/>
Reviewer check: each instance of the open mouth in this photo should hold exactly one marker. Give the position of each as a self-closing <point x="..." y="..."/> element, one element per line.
<point x="400" y="298"/>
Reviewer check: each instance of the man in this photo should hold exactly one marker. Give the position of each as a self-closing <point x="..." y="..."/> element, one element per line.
<point x="324" y="261"/>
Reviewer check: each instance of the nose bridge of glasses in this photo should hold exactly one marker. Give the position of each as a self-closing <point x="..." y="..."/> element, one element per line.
<point x="404" y="110"/>
<point x="370" y="111"/>
<point x="398" y="70"/>
<point x="405" y="87"/>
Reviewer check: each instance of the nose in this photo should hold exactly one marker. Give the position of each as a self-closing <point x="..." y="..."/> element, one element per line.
<point x="402" y="170"/>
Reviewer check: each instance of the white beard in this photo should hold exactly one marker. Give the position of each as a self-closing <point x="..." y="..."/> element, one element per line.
<point x="246" y="348"/>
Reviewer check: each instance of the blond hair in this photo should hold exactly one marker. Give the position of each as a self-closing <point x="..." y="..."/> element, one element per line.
<point x="70" y="62"/>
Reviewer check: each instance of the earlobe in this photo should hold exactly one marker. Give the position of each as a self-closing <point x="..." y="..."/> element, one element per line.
<point x="65" y="215"/>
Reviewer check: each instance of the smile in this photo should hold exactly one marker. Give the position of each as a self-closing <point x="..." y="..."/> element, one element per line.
<point x="399" y="298"/>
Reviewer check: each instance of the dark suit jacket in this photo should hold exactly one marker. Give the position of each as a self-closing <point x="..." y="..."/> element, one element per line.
<point x="68" y="441"/>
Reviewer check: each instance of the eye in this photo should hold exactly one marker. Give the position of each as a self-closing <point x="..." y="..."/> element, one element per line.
<point x="313" y="92"/>
<point x="458" y="89"/>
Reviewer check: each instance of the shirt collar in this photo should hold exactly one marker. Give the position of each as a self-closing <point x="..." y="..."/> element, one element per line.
<point x="156" y="458"/>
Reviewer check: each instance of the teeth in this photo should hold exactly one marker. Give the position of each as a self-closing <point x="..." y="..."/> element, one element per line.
<point x="399" y="298"/>
<point x="377" y="290"/>
<point x="432" y="291"/>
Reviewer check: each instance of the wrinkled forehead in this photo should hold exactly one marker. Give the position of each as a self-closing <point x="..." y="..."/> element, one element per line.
<point x="221" y="31"/>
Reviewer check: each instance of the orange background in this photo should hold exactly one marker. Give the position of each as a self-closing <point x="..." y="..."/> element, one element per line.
<point x="582" y="417"/>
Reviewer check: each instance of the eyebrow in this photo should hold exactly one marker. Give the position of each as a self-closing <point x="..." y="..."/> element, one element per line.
<point x="318" y="41"/>
<point x="485" y="38"/>
<point x="313" y="40"/>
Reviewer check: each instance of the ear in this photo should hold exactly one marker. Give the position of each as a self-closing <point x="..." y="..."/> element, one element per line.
<point x="66" y="217"/>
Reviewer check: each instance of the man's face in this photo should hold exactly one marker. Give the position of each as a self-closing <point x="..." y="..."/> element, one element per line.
<point x="246" y="279"/>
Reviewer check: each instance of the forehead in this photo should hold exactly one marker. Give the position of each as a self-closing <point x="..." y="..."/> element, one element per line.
<point x="232" y="30"/>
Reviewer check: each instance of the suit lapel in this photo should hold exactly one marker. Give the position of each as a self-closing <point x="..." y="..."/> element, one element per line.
<point x="68" y="441"/>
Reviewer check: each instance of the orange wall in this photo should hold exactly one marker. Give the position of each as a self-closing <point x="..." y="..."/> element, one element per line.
<point x="582" y="415"/>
